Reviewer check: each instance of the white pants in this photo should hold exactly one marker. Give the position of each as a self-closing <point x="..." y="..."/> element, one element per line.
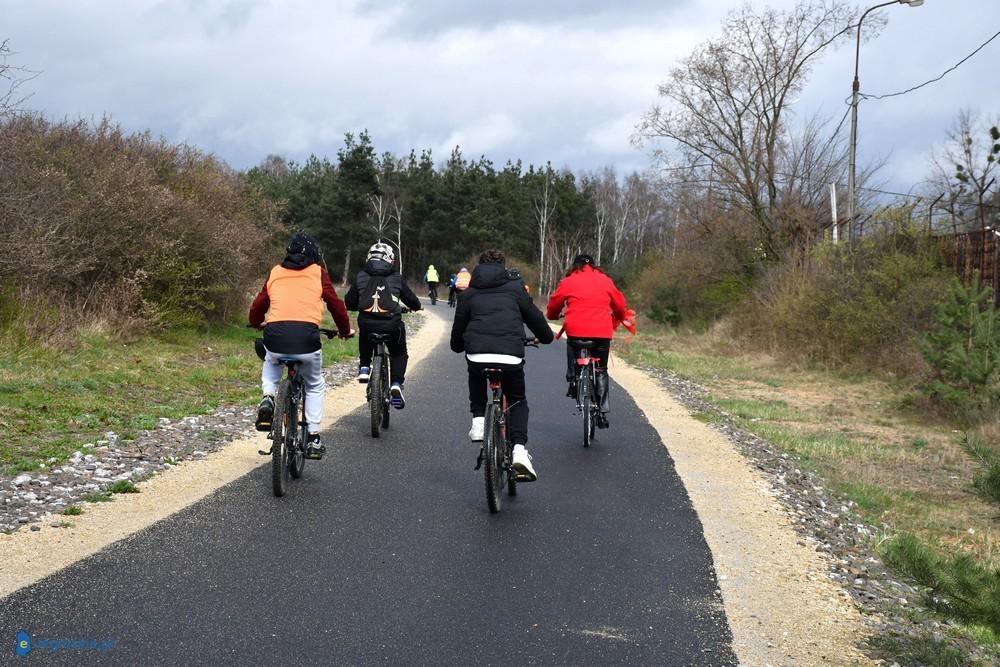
<point x="311" y="369"/>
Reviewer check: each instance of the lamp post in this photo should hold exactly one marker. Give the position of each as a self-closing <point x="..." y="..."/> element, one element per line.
<point x="855" y="88"/>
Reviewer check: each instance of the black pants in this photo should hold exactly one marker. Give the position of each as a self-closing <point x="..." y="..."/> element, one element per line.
<point x="396" y="345"/>
<point x="513" y="389"/>
<point x="432" y="288"/>
<point x="601" y="350"/>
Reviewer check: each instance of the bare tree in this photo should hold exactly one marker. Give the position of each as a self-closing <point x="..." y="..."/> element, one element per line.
<point x="545" y="205"/>
<point x="967" y="169"/>
<point x="728" y="100"/>
<point x="12" y="77"/>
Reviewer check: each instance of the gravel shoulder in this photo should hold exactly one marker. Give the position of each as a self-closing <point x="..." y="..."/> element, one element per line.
<point x="782" y="606"/>
<point x="174" y="465"/>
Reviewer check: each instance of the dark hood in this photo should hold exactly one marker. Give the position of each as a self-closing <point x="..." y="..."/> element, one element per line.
<point x="296" y="262"/>
<point x="378" y="267"/>
<point x="485" y="276"/>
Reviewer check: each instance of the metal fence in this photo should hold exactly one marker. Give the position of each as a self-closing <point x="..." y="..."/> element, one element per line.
<point x="970" y="252"/>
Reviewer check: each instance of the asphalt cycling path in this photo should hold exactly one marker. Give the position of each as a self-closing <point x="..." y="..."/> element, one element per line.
<point x="385" y="553"/>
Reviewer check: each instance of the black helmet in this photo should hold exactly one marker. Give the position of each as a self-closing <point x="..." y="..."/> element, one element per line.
<point x="584" y="259"/>
<point x="303" y="244"/>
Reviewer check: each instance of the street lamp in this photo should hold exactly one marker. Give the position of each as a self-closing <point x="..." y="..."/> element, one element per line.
<point x="852" y="168"/>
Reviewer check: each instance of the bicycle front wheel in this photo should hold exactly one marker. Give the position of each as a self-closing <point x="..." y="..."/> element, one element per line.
<point x="376" y="396"/>
<point x="280" y="426"/>
<point x="493" y="455"/>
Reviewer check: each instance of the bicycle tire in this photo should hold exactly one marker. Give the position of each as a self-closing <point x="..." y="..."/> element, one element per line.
<point x="493" y="455"/>
<point x="585" y="388"/>
<point x="279" y="425"/>
<point x="296" y="453"/>
<point x="375" y="397"/>
<point x="385" y="397"/>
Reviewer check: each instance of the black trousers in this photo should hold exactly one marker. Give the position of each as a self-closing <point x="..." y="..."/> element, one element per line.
<point x="432" y="288"/>
<point x="513" y="390"/>
<point x="601" y="350"/>
<point x="396" y="346"/>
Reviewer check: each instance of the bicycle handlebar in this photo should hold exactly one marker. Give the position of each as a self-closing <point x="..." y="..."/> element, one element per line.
<point x="531" y="342"/>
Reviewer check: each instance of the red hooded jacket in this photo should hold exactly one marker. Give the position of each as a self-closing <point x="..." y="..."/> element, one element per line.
<point x="592" y="304"/>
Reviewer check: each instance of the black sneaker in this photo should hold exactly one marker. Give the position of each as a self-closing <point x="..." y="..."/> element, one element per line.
<point x="265" y="413"/>
<point x="314" y="449"/>
<point x="602" y="420"/>
<point x="571" y="392"/>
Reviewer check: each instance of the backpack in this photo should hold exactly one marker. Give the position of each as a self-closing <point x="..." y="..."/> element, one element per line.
<point x="376" y="298"/>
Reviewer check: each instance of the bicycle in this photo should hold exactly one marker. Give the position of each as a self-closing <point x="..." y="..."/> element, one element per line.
<point x="496" y="456"/>
<point x="587" y="403"/>
<point x="378" y="384"/>
<point x="289" y="433"/>
<point x="432" y="294"/>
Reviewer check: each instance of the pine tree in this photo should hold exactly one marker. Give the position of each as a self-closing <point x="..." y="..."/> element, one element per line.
<point x="964" y="350"/>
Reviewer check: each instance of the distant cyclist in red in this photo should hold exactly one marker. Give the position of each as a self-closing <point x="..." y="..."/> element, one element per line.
<point x="593" y="305"/>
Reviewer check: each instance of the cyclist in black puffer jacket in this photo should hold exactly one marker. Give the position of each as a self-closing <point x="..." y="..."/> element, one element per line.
<point x="376" y="293"/>
<point x="489" y="328"/>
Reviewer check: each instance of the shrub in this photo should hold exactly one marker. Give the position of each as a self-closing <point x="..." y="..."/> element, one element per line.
<point x="859" y="306"/>
<point x="100" y="225"/>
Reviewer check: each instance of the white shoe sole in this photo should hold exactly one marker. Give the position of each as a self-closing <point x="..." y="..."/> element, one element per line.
<point x="524" y="474"/>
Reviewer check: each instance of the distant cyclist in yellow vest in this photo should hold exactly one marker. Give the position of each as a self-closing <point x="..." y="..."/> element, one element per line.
<point x="292" y="300"/>
<point x="432" y="279"/>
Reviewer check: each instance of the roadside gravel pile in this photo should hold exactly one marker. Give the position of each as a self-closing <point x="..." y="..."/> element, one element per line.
<point x="829" y="525"/>
<point x="28" y="498"/>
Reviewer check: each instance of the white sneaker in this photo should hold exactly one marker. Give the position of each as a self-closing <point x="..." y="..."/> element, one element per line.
<point x="522" y="464"/>
<point x="478" y="427"/>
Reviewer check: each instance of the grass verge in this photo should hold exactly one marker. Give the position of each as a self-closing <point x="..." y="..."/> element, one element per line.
<point x="900" y="466"/>
<point x="54" y="401"/>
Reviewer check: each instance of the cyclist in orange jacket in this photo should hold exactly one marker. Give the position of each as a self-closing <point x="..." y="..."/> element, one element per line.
<point x="290" y="309"/>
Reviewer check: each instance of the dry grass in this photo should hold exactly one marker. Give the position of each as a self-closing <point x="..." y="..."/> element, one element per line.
<point x="868" y="437"/>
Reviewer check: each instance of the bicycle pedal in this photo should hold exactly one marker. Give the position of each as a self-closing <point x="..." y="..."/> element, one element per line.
<point x="263" y="453"/>
<point x="263" y="427"/>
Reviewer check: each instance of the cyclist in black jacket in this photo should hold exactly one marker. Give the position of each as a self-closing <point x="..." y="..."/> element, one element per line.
<point x="489" y="328"/>
<point x="376" y="293"/>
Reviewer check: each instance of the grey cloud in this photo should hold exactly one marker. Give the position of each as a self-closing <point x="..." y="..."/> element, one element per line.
<point x="417" y="18"/>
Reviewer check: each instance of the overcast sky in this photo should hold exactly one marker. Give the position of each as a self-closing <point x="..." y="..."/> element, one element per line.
<point x="559" y="80"/>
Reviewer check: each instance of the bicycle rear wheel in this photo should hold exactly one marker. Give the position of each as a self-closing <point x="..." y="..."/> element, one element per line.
<point x="296" y="451"/>
<point x="280" y="425"/>
<point x="493" y="455"/>
<point x="586" y="389"/>
<point x="376" y="396"/>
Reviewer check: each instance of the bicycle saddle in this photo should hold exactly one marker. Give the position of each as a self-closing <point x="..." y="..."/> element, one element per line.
<point x="582" y="344"/>
<point x="379" y="336"/>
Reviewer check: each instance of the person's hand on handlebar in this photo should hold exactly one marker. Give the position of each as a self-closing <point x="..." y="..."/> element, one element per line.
<point x="347" y="336"/>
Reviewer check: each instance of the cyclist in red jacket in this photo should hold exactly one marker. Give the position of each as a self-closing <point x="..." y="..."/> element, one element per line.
<point x="593" y="305"/>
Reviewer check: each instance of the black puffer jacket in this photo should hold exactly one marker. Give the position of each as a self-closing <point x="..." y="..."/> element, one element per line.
<point x="492" y="313"/>
<point x="400" y="290"/>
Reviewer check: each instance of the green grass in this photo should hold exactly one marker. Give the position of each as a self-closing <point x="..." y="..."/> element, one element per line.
<point x="73" y="510"/>
<point x="697" y="367"/>
<point x="755" y="410"/>
<point x="123" y="486"/>
<point x="101" y="497"/>
<point x="52" y="402"/>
